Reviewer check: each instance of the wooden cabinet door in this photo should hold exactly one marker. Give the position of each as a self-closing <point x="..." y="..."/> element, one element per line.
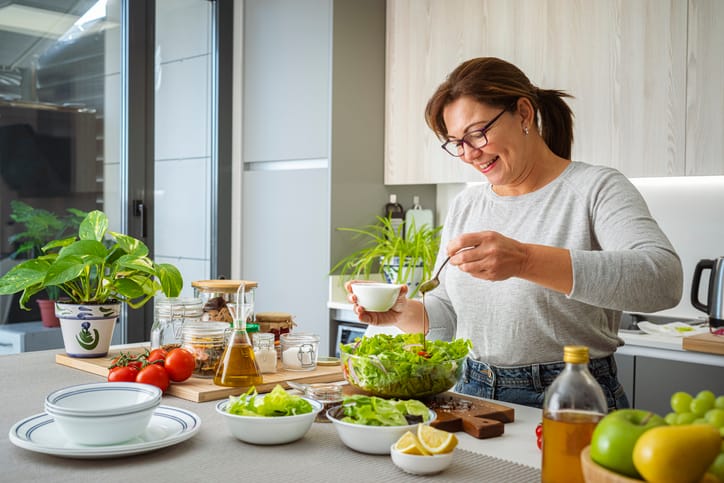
<point x="704" y="93"/>
<point x="624" y="61"/>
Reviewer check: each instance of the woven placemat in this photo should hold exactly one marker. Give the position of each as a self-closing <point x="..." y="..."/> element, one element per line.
<point x="322" y="457"/>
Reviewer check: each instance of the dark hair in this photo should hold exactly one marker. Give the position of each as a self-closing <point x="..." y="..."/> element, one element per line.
<point x="499" y="83"/>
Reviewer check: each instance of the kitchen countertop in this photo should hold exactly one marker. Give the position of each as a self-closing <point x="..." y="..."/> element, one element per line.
<point x="214" y="455"/>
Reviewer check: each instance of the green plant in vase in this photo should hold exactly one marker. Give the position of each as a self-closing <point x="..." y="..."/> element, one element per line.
<point x="402" y="258"/>
<point x="95" y="275"/>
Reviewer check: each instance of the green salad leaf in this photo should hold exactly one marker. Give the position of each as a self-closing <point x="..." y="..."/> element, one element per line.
<point x="375" y="411"/>
<point x="396" y="366"/>
<point x="277" y="403"/>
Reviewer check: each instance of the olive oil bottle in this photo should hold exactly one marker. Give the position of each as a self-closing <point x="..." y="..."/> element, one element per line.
<point x="238" y="366"/>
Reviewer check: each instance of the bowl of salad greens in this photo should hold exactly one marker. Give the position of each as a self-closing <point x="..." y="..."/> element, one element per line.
<point x="371" y="424"/>
<point x="266" y="419"/>
<point x="399" y="366"/>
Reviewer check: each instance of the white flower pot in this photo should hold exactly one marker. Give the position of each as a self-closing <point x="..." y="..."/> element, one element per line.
<point x="414" y="273"/>
<point x="87" y="329"/>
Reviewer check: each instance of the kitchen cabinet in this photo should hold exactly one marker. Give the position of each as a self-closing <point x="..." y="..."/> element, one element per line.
<point x="649" y="381"/>
<point x="646" y="77"/>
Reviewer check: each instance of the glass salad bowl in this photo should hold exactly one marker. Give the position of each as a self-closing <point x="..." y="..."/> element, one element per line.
<point x="399" y="367"/>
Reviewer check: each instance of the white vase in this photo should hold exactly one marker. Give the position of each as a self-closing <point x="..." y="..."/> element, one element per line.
<point x="87" y="329"/>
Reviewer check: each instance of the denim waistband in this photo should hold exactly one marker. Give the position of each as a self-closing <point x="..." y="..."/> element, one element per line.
<point x="535" y="375"/>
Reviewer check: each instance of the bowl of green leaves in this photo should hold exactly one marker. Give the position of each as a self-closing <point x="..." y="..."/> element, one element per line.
<point x="370" y="424"/>
<point x="267" y="419"/>
<point x="404" y="365"/>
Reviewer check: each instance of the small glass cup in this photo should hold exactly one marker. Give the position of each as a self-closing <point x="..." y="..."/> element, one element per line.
<point x="299" y="351"/>
<point x="330" y="395"/>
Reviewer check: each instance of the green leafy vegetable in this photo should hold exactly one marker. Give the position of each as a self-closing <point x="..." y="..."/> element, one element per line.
<point x="375" y="411"/>
<point x="396" y="366"/>
<point x="277" y="403"/>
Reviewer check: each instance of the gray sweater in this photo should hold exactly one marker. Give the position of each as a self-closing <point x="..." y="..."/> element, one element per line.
<point x="621" y="261"/>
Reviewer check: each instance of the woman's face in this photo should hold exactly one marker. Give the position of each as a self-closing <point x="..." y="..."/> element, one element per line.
<point x="502" y="160"/>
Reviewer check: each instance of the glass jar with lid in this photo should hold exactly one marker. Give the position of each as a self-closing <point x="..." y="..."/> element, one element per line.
<point x="265" y="352"/>
<point x="206" y="341"/>
<point x="219" y="299"/>
<point x="169" y="316"/>
<point x="299" y="351"/>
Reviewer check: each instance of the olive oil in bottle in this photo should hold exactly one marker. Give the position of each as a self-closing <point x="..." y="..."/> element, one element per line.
<point x="573" y="405"/>
<point x="238" y="366"/>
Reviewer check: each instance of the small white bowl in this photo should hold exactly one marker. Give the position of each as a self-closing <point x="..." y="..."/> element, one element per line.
<point x="103" y="399"/>
<point x="369" y="439"/>
<point x="376" y="297"/>
<point x="269" y="430"/>
<point x="419" y="464"/>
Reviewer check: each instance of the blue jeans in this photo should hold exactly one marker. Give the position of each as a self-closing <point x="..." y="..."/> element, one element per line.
<point x="527" y="384"/>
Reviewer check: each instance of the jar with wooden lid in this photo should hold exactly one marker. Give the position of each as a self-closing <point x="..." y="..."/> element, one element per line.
<point x="219" y="299"/>
<point x="277" y="323"/>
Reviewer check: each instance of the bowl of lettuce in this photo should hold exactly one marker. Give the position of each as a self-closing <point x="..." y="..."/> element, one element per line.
<point x="398" y="366"/>
<point x="266" y="419"/>
<point x="371" y="424"/>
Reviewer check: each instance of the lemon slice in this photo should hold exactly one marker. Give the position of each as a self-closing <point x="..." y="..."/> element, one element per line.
<point x="409" y="444"/>
<point x="436" y="441"/>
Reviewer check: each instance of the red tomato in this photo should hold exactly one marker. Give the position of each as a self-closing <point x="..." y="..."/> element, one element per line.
<point x="157" y="355"/>
<point x="179" y="364"/>
<point x="539" y="435"/>
<point x="122" y="374"/>
<point x="155" y="375"/>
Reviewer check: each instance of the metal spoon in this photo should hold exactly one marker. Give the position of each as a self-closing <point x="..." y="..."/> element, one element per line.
<point x="433" y="283"/>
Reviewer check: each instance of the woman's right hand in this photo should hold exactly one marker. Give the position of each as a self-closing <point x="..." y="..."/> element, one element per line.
<point x="391" y="317"/>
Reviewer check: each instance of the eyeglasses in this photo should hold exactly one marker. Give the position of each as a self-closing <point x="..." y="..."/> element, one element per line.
<point x="475" y="139"/>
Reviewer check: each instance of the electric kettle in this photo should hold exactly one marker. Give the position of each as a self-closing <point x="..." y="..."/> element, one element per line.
<point x="714" y="306"/>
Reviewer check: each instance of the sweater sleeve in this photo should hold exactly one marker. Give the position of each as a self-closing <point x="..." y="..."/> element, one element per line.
<point x="636" y="268"/>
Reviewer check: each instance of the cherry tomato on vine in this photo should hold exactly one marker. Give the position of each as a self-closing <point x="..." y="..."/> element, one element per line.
<point x="154" y="374"/>
<point x="179" y="364"/>
<point x="157" y="355"/>
<point x="539" y="435"/>
<point x="122" y="374"/>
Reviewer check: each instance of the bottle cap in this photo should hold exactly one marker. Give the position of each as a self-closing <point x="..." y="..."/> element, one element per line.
<point x="575" y="354"/>
<point x="252" y="328"/>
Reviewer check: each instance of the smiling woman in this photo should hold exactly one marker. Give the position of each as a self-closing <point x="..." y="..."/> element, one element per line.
<point x="560" y="247"/>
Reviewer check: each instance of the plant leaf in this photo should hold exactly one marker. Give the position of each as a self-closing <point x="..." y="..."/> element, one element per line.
<point x="59" y="243"/>
<point x="82" y="248"/>
<point x="94" y="226"/>
<point x="23" y="275"/>
<point x="64" y="270"/>
<point x="133" y="262"/>
<point x="128" y="288"/>
<point x="130" y="245"/>
<point x="171" y="280"/>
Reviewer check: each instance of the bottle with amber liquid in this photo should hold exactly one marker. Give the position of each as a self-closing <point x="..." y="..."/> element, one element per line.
<point x="238" y="366"/>
<point x="573" y="405"/>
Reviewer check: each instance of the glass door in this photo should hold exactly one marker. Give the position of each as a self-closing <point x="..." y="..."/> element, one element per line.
<point x="59" y="119"/>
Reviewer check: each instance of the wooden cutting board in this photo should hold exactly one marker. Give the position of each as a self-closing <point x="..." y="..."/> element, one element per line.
<point x="713" y="344"/>
<point x="198" y="389"/>
<point x="480" y="419"/>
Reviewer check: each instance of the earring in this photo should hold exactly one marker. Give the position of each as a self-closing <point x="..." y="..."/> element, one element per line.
<point x="525" y="130"/>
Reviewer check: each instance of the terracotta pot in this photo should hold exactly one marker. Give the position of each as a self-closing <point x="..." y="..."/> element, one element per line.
<point x="87" y="329"/>
<point x="47" y="313"/>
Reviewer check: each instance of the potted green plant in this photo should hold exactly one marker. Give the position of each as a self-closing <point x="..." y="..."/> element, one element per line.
<point x="95" y="278"/>
<point x="400" y="257"/>
<point x="40" y="227"/>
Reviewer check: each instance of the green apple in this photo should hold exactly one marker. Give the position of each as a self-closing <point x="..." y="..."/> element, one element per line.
<point x="615" y="436"/>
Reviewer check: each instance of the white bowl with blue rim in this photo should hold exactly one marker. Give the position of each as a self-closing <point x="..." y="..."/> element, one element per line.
<point x="103" y="413"/>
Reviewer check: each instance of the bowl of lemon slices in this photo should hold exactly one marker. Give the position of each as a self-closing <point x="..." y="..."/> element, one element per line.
<point x="426" y="451"/>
